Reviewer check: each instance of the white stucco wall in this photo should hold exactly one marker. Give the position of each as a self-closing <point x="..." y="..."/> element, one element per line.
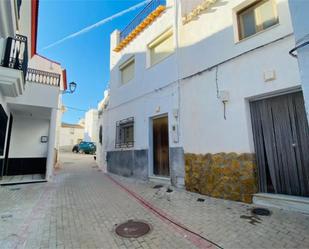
<point x="151" y="93"/>
<point x="91" y="122"/>
<point x="202" y="115"/>
<point x="69" y="136"/>
<point x="26" y="137"/>
<point x="211" y="40"/>
<point x="299" y="11"/>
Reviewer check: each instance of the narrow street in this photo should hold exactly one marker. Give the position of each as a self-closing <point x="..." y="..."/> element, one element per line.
<point x="81" y="208"/>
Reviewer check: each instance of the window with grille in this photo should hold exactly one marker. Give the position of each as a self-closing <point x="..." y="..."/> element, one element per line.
<point x="257" y="17"/>
<point x="125" y="133"/>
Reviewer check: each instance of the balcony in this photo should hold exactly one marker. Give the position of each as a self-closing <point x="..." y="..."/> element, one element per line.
<point x="43" y="77"/>
<point x="13" y="67"/>
<point x="140" y="22"/>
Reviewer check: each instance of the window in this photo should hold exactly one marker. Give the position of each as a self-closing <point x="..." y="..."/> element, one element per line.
<point x="125" y="133"/>
<point x="257" y="17"/>
<point x="127" y="71"/>
<point x="3" y="126"/>
<point x="101" y="134"/>
<point x="161" y="47"/>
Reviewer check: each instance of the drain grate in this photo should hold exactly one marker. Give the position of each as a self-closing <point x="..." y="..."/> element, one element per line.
<point x="260" y="211"/>
<point x="14" y="189"/>
<point x="6" y="216"/>
<point x="132" y="229"/>
<point x="158" y="186"/>
<point x="200" y="200"/>
<point x="169" y="190"/>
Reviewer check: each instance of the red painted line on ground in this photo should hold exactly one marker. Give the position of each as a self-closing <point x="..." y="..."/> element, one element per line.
<point x="36" y="212"/>
<point x="195" y="238"/>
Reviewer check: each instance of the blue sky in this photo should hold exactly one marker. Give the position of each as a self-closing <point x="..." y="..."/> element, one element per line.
<point x="85" y="57"/>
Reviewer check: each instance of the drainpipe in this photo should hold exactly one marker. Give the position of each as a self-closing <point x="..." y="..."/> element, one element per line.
<point x="299" y="14"/>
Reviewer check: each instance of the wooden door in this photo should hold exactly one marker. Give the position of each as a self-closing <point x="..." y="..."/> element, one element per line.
<point x="160" y="147"/>
<point x="281" y="137"/>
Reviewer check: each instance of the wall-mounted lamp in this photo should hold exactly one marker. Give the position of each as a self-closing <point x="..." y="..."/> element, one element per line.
<point x="72" y="88"/>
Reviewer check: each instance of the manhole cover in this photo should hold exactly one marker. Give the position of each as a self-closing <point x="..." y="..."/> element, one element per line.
<point x="132" y="229"/>
<point x="260" y="211"/>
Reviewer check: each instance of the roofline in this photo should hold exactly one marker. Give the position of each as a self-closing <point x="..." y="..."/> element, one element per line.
<point x="64" y="79"/>
<point x="48" y="59"/>
<point x="34" y="25"/>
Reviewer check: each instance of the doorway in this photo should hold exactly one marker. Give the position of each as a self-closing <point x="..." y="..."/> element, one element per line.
<point x="160" y="147"/>
<point x="281" y="137"/>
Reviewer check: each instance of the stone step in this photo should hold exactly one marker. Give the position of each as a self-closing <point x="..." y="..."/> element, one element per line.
<point x="286" y="202"/>
<point x="159" y="179"/>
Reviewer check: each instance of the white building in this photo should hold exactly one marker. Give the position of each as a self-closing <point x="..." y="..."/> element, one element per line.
<point x="199" y="93"/>
<point x="70" y="135"/>
<point x="91" y="129"/>
<point x="102" y="132"/>
<point x="30" y="87"/>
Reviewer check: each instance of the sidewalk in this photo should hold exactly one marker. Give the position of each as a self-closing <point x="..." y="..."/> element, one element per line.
<point x="227" y="223"/>
<point x="81" y="208"/>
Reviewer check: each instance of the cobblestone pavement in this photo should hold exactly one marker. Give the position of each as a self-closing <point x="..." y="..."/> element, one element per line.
<point x="81" y="207"/>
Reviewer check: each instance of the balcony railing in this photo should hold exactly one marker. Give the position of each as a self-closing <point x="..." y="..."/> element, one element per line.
<point x="43" y="77"/>
<point x="152" y="6"/>
<point x="16" y="53"/>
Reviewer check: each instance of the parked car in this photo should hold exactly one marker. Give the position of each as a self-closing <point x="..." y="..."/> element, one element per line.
<point x="85" y="147"/>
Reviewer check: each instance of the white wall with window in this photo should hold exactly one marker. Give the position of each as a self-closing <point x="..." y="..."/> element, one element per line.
<point x="257" y="17"/>
<point x="161" y="47"/>
<point x="127" y="71"/>
<point x="214" y="37"/>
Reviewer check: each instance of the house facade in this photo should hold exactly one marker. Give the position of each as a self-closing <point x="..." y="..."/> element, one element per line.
<point x="70" y="135"/>
<point x="199" y="91"/>
<point x="90" y="127"/>
<point x="30" y="87"/>
<point x="102" y="132"/>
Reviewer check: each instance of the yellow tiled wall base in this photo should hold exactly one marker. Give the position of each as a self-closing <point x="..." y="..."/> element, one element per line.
<point x="223" y="175"/>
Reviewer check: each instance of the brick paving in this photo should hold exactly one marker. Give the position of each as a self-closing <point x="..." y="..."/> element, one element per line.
<point x="78" y="210"/>
<point x="229" y="224"/>
<point x="81" y="207"/>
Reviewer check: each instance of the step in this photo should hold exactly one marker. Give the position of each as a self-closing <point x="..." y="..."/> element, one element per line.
<point x="286" y="202"/>
<point x="160" y="179"/>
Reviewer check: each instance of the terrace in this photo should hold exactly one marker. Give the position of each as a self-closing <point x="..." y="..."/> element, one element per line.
<point x="153" y="9"/>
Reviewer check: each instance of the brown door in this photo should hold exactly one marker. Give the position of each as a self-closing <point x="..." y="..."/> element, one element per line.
<point x="160" y="147"/>
<point x="281" y="136"/>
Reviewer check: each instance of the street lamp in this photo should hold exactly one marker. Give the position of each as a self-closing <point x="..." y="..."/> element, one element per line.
<point x="72" y="88"/>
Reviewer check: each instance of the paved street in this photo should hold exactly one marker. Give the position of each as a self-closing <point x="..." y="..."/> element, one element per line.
<point x="82" y="206"/>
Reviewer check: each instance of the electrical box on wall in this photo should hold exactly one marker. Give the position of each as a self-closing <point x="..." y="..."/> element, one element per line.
<point x="224" y="96"/>
<point x="175" y="134"/>
<point x="269" y="75"/>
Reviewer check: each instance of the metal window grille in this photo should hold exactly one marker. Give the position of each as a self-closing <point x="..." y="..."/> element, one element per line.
<point x="125" y="133"/>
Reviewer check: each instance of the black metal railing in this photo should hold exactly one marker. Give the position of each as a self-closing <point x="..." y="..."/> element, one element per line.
<point x="16" y="53"/>
<point x="43" y="77"/>
<point x="141" y="17"/>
